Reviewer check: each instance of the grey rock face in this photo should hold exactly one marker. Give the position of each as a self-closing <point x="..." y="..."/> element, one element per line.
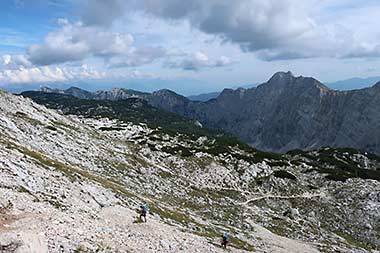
<point x="289" y="113"/>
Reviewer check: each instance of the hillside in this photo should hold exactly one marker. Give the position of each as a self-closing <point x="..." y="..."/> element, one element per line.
<point x="74" y="183"/>
<point x="132" y="109"/>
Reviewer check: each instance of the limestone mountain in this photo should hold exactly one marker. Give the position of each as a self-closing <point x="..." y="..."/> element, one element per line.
<point x="290" y="112"/>
<point x="283" y="114"/>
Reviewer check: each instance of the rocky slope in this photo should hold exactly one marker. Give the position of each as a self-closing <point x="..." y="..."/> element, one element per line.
<point x="282" y="114"/>
<point x="72" y="184"/>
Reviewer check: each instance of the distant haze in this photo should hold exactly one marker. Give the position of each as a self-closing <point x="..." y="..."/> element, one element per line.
<point x="194" y="89"/>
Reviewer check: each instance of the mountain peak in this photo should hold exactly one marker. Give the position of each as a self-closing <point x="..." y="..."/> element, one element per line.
<point x="281" y="79"/>
<point x="287" y="79"/>
<point x="73" y="88"/>
<point x="166" y="92"/>
<point x="282" y="76"/>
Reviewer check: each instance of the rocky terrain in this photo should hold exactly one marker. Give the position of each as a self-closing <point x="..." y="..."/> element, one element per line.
<point x="74" y="183"/>
<point x="283" y="114"/>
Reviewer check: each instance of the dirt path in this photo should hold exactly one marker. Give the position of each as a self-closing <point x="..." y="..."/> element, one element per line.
<point x="17" y="235"/>
<point x="6" y="220"/>
<point x="306" y="195"/>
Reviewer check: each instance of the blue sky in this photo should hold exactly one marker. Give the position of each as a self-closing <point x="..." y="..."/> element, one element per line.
<point x="191" y="47"/>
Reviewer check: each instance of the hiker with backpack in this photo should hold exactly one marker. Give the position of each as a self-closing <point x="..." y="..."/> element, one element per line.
<point x="144" y="210"/>
<point x="225" y="240"/>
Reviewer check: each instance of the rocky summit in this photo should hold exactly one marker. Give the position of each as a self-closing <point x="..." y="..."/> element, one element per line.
<point x="73" y="181"/>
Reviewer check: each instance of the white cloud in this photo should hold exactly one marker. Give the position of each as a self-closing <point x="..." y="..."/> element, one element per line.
<point x="74" y="42"/>
<point x="14" y="61"/>
<point x="139" y="56"/>
<point x="198" y="61"/>
<point x="48" y="74"/>
<point x="223" y="61"/>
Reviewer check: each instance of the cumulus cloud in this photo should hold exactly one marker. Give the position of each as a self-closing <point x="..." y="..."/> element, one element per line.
<point x="273" y="29"/>
<point x="198" y="61"/>
<point x="77" y="41"/>
<point x="252" y="24"/>
<point x="74" y="42"/>
<point x="14" y="61"/>
<point x="138" y="57"/>
<point x="48" y="74"/>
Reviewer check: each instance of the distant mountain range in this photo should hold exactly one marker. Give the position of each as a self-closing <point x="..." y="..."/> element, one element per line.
<point x="283" y="114"/>
<point x="354" y="83"/>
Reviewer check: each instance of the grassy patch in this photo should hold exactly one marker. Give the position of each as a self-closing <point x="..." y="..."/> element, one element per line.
<point x="165" y="174"/>
<point x="111" y="129"/>
<point x="177" y="150"/>
<point x="52" y="128"/>
<point x="352" y="241"/>
<point x="64" y="125"/>
<point x="284" y="174"/>
<point x="26" y="117"/>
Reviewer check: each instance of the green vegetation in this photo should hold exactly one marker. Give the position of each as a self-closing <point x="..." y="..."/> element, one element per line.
<point x="52" y="128"/>
<point x="65" y="126"/>
<point x="28" y="119"/>
<point x="337" y="163"/>
<point x="178" y="150"/>
<point x="111" y="129"/>
<point x="284" y="174"/>
<point x="133" y="110"/>
<point x="353" y="242"/>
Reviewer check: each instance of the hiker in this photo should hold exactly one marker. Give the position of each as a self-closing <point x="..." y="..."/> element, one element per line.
<point x="144" y="211"/>
<point x="225" y="240"/>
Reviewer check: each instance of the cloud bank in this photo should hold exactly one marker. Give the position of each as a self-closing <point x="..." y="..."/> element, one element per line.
<point x="273" y="29"/>
<point x="47" y="74"/>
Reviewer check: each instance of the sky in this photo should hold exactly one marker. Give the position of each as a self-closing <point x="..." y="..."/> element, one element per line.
<point x="191" y="46"/>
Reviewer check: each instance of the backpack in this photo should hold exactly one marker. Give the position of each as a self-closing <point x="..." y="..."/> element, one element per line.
<point x="225" y="237"/>
<point x="145" y="208"/>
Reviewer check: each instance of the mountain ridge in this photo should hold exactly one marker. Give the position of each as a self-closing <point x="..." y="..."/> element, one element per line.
<point x="285" y="113"/>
